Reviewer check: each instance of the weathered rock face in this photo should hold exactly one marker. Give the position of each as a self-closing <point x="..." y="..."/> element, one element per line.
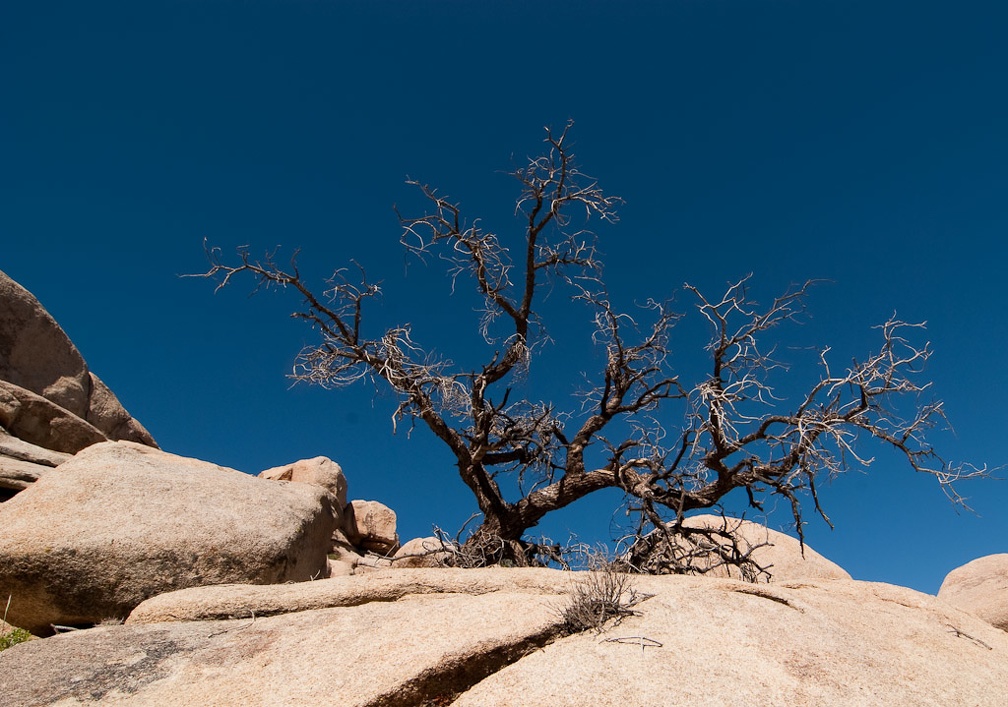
<point x="15" y="448"/>
<point x="39" y="421"/>
<point x="235" y="601"/>
<point x="372" y="526"/>
<point x="321" y="471"/>
<point x="107" y="414"/>
<point x="721" y="642"/>
<point x="48" y="397"/>
<point x="780" y="554"/>
<point x="421" y="552"/>
<point x="491" y="637"/>
<point x="365" y="527"/>
<point x="17" y="475"/>
<point x="121" y="522"/>
<point x="22" y="463"/>
<point x="343" y="557"/>
<point x="981" y="588"/>
<point x="36" y="354"/>
<point x="376" y="653"/>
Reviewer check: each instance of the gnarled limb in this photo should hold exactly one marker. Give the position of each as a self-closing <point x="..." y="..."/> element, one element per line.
<point x="673" y="447"/>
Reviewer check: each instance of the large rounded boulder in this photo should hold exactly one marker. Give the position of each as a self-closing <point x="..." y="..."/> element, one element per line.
<point x="981" y="588"/>
<point x="321" y="471"/>
<point x="121" y="522"/>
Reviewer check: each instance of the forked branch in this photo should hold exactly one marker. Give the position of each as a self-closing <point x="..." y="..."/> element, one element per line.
<point x="671" y="446"/>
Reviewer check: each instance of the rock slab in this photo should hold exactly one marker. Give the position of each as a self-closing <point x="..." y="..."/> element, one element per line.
<point x="482" y="638"/>
<point x="51" y="404"/>
<point x="41" y="422"/>
<point x="378" y="653"/>
<point x="820" y="643"/>
<point x="121" y="522"/>
<point x="237" y="600"/>
<point x="422" y="552"/>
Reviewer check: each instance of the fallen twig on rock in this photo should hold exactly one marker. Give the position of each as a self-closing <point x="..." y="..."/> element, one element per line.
<point x="642" y="641"/>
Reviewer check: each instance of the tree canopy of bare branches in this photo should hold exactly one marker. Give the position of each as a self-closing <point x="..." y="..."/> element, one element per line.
<point x="670" y="445"/>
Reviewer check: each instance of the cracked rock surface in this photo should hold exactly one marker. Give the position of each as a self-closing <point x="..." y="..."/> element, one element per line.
<point x="404" y="652"/>
<point x="703" y="641"/>
<point x="491" y="637"/>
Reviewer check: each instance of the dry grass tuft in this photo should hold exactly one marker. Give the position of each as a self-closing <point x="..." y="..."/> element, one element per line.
<point x="604" y="594"/>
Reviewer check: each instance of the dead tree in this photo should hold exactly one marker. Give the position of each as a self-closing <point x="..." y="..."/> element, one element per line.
<point x="671" y="447"/>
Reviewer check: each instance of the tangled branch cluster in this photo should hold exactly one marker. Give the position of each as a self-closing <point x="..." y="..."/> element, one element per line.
<point x="670" y="445"/>
<point x="678" y="548"/>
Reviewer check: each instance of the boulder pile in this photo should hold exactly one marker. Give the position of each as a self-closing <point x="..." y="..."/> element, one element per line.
<point x="121" y="522"/>
<point x="495" y="637"/>
<point x="365" y="535"/>
<point x="226" y="588"/>
<point x="51" y="404"/>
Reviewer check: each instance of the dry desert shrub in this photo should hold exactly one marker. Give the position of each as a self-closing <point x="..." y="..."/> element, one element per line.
<point x="604" y="593"/>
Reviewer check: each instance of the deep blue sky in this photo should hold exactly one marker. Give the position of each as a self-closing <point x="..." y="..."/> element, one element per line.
<point x="861" y="142"/>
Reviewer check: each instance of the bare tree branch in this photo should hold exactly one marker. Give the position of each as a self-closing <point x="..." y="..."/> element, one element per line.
<point x="672" y="447"/>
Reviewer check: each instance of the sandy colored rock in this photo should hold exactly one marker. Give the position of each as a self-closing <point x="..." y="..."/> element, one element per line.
<point x="341" y="547"/>
<point x="981" y="588"/>
<point x="38" y="421"/>
<point x="705" y="641"/>
<point x="372" y="526"/>
<point x="482" y="638"/>
<point x="321" y="471"/>
<point x="15" y="448"/>
<point x="421" y="552"/>
<point x="370" y="562"/>
<point x="343" y="557"/>
<point x="36" y="354"/>
<point x="121" y="522"/>
<point x="236" y="600"/>
<point x="17" y="475"/>
<point x="340" y="568"/>
<point x="380" y="653"/>
<point x="21" y="464"/>
<point x="107" y="414"/>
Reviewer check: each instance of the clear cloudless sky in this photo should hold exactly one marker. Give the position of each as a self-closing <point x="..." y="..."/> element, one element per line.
<point x="861" y="142"/>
